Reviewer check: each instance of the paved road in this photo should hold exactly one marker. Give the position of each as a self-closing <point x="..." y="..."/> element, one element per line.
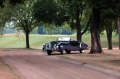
<point x="34" y="64"/>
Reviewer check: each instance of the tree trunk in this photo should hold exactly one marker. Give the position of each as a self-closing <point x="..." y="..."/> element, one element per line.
<point x="27" y="36"/>
<point x="79" y="35"/>
<point x="27" y="31"/>
<point x="27" y="40"/>
<point x="95" y="33"/>
<point x="118" y="24"/>
<point x="109" y="36"/>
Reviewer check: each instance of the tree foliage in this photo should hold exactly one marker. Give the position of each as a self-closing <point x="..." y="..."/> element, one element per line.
<point x="45" y="10"/>
<point x="5" y="15"/>
<point x="6" y="11"/>
<point x="13" y="2"/>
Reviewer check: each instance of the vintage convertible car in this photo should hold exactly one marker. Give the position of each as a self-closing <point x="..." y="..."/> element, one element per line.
<point x="62" y="39"/>
<point x="66" y="44"/>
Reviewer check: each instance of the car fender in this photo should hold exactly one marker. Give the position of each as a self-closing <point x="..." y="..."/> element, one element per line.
<point x="80" y="45"/>
<point x="49" y="47"/>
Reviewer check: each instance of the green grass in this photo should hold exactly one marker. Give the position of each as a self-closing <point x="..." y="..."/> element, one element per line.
<point x="36" y="41"/>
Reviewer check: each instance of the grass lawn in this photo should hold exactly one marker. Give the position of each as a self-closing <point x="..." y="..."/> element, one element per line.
<point x="36" y="41"/>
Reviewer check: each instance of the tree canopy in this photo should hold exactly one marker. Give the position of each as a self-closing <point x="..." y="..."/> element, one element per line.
<point x="45" y="10"/>
<point x="13" y="2"/>
<point x="59" y="12"/>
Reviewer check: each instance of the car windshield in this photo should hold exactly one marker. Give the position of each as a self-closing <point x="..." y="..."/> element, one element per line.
<point x="64" y="39"/>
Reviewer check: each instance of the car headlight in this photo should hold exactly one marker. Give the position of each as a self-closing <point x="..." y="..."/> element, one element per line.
<point x="61" y="46"/>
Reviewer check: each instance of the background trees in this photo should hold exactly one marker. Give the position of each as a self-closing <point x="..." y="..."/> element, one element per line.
<point x="70" y="11"/>
<point x="23" y="18"/>
<point x="78" y="14"/>
<point x="76" y="11"/>
<point x="6" y="11"/>
<point x="101" y="10"/>
<point x="20" y="13"/>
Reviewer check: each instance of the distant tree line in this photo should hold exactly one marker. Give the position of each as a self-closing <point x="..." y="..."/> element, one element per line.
<point x="60" y="30"/>
<point x="40" y="30"/>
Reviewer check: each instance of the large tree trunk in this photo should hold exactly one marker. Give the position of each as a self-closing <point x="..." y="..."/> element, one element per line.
<point x="118" y="24"/>
<point x="95" y="33"/>
<point x="79" y="36"/>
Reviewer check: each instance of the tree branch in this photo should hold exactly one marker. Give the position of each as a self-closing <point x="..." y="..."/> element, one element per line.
<point x="87" y="25"/>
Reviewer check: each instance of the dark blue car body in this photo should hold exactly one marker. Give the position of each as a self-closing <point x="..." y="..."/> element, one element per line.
<point x="73" y="46"/>
<point x="64" y="45"/>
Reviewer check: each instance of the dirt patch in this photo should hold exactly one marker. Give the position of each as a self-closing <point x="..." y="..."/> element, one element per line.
<point x="6" y="72"/>
<point x="24" y="61"/>
<point x="109" y="59"/>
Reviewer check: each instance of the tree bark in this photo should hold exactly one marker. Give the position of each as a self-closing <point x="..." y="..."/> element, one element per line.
<point x="88" y="23"/>
<point x="109" y="36"/>
<point x="77" y="10"/>
<point x="79" y="35"/>
<point x="27" y="40"/>
<point x="26" y="29"/>
<point x="95" y="33"/>
<point x="118" y="25"/>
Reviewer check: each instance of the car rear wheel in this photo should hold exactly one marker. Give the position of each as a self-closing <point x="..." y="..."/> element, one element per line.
<point x="49" y="52"/>
<point x="67" y="51"/>
<point x="61" y="51"/>
<point x="81" y="51"/>
<point x="43" y="49"/>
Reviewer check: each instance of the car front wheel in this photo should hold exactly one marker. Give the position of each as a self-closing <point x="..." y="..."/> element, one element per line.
<point x="67" y="51"/>
<point x="81" y="51"/>
<point x="49" y="52"/>
<point x="61" y="51"/>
